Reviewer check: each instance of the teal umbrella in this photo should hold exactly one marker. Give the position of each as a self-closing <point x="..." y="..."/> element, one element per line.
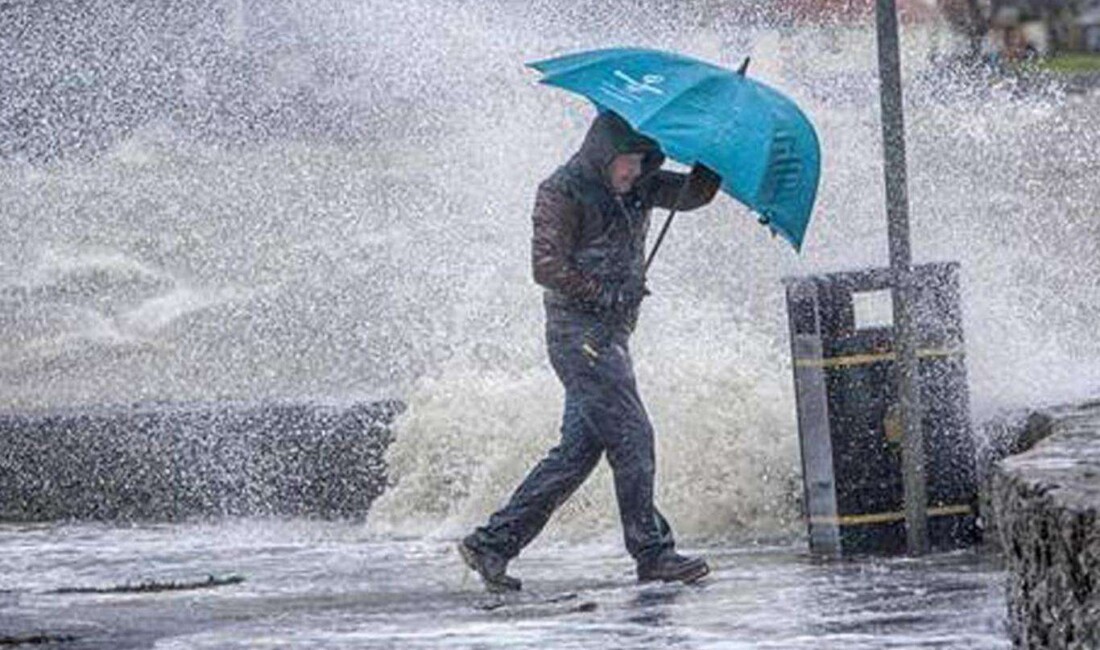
<point x="762" y="145"/>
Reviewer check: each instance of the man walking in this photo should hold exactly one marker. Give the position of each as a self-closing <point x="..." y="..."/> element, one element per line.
<point x="591" y="218"/>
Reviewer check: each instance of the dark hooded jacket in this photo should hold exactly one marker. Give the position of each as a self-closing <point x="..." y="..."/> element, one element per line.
<point x="586" y="237"/>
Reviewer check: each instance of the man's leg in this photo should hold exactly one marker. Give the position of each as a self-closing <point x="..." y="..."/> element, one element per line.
<point x="552" y="481"/>
<point x="547" y="486"/>
<point x="628" y="435"/>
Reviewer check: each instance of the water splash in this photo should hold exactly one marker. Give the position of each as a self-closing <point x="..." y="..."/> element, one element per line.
<point x="333" y="201"/>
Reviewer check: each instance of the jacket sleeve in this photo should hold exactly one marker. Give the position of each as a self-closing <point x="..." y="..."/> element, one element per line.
<point x="556" y="226"/>
<point x="666" y="187"/>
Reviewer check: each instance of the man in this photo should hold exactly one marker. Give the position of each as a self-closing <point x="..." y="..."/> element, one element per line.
<point x="588" y="251"/>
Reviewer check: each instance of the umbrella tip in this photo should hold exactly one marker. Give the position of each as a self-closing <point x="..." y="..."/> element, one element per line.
<point x="744" y="67"/>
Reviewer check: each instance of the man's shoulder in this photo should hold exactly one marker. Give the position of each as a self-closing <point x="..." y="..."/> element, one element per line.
<point x="563" y="179"/>
<point x="570" y="181"/>
<point x="559" y="186"/>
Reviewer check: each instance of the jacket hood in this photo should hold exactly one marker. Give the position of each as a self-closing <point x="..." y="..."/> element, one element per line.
<point x="609" y="136"/>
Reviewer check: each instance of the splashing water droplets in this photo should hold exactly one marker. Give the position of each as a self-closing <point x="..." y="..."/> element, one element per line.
<point x="269" y="200"/>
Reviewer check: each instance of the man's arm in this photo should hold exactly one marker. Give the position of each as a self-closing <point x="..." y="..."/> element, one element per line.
<point x="556" y="223"/>
<point x="701" y="189"/>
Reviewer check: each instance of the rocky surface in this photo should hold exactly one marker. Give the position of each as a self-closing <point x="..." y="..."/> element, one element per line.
<point x="169" y="462"/>
<point x="1046" y="502"/>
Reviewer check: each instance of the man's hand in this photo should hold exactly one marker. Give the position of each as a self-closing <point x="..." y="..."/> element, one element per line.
<point x="706" y="176"/>
<point x="622" y="297"/>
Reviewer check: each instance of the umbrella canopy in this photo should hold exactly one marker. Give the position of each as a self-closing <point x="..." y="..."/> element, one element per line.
<point x="758" y="140"/>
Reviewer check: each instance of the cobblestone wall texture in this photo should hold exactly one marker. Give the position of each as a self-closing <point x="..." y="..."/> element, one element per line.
<point x="1046" y="503"/>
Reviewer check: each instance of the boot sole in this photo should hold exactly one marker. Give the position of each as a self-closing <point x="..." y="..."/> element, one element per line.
<point x="491" y="586"/>
<point x="687" y="577"/>
<point x="468" y="557"/>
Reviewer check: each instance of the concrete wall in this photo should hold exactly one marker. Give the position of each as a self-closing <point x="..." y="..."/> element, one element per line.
<point x="174" y="461"/>
<point x="1045" y="503"/>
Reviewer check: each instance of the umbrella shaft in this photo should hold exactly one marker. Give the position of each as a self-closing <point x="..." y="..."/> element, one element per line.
<point x="668" y="221"/>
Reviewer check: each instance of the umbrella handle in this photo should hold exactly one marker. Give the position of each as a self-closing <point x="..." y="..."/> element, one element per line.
<point x="668" y="221"/>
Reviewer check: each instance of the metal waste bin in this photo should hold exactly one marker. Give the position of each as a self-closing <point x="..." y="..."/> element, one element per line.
<point x="842" y="341"/>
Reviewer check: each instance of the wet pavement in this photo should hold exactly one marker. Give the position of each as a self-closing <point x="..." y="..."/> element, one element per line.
<point x="311" y="584"/>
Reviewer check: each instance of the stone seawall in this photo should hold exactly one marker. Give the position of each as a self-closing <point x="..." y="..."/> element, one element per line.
<point x="1046" y="503"/>
<point x="174" y="461"/>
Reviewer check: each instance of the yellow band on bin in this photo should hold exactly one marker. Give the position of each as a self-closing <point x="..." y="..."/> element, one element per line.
<point x="866" y="359"/>
<point x="889" y="517"/>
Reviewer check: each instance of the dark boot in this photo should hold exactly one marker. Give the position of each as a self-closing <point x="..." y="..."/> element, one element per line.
<point x="490" y="566"/>
<point x="672" y="567"/>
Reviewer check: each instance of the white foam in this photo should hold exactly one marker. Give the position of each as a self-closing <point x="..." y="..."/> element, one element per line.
<point x="399" y="266"/>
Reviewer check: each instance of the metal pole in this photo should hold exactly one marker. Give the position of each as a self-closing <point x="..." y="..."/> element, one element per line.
<point x="897" y="211"/>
